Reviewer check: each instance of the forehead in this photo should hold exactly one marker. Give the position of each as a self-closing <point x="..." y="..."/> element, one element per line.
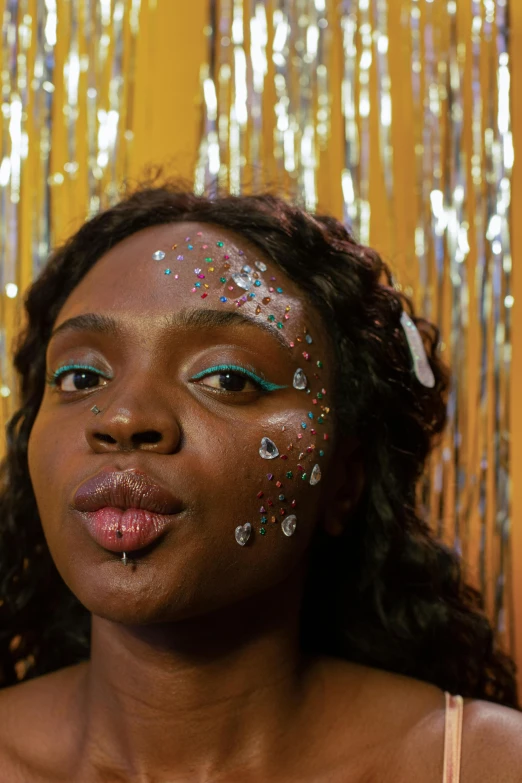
<point x="190" y="265"/>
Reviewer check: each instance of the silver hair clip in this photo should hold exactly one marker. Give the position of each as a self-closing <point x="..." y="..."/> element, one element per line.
<point x="421" y="365"/>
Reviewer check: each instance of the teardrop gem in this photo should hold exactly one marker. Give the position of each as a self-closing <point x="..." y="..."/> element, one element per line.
<point x="300" y="380"/>
<point x="260" y="265"/>
<point x="242" y="280"/>
<point x="288" y="525"/>
<point x="243" y="533"/>
<point x="315" y="476"/>
<point x="268" y="449"/>
<point x="159" y="255"/>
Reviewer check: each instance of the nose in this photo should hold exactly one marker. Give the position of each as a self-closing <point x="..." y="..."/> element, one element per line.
<point x="147" y="423"/>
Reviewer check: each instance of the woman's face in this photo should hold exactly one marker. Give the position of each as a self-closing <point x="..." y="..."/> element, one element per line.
<point x="170" y="410"/>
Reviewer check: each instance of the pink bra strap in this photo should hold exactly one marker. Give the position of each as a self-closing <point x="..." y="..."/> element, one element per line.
<point x="452" y="738"/>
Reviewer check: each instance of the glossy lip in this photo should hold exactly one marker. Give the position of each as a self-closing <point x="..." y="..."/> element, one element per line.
<point x="125" y="489"/>
<point x="124" y="511"/>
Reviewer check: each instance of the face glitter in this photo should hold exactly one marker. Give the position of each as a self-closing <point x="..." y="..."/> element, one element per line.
<point x="167" y="272"/>
<point x="306" y="355"/>
<point x="270" y="476"/>
<point x="260" y="265"/>
<point x="180" y="258"/>
<point x="319" y="364"/>
<point x="190" y="247"/>
<point x="266" y="300"/>
<point x="158" y="255"/>
<point x="260" y="494"/>
<point x="223" y="299"/>
<point x="289" y="474"/>
<point x="219" y="244"/>
<point x="278" y="484"/>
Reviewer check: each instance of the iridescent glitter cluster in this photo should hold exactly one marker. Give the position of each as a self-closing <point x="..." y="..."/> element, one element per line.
<point x="308" y="441"/>
<point x="238" y="287"/>
<point x="306" y="445"/>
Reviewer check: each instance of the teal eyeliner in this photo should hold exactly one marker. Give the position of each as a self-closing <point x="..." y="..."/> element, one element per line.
<point x="265" y="385"/>
<point x="53" y="377"/>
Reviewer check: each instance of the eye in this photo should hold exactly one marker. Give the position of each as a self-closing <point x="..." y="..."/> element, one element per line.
<point x="71" y="379"/>
<point x="230" y="381"/>
<point x="232" y="378"/>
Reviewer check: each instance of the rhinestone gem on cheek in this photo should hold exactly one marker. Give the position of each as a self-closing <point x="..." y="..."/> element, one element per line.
<point x="243" y="533"/>
<point x="315" y="476"/>
<point x="288" y="525"/>
<point x="268" y="449"/>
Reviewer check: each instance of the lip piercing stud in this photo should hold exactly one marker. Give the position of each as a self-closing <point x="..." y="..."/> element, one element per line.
<point x="95" y="409"/>
<point x="125" y="559"/>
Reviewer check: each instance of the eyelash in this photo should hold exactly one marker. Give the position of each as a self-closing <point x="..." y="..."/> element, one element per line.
<point x="261" y="383"/>
<point x="53" y="378"/>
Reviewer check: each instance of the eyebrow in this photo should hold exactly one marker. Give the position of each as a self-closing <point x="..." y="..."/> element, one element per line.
<point x="184" y="319"/>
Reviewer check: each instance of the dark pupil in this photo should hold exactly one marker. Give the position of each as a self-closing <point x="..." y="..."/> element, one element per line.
<point x="232" y="381"/>
<point x="84" y="379"/>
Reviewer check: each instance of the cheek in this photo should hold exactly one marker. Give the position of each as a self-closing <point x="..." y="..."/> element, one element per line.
<point x="46" y="464"/>
<point x="268" y="480"/>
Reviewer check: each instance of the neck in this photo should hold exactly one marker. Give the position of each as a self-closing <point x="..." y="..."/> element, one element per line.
<point x="207" y="693"/>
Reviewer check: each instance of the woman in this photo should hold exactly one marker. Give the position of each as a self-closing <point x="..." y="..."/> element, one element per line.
<point x="210" y="546"/>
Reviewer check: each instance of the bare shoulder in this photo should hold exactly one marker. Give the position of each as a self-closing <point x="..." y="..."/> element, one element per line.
<point x="33" y="712"/>
<point x="491" y="749"/>
<point x="491" y="743"/>
<point x="403" y="722"/>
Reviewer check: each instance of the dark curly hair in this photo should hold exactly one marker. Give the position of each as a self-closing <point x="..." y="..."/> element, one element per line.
<point x="386" y="593"/>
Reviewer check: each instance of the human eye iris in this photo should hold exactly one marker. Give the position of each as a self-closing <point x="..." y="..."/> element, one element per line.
<point x="234" y="379"/>
<point x="81" y="378"/>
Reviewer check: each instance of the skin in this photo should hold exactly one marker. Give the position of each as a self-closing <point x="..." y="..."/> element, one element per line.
<point x="195" y="671"/>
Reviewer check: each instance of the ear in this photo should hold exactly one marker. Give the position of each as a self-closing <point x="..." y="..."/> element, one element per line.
<point x="345" y="485"/>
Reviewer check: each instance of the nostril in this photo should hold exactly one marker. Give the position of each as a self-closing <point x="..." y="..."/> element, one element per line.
<point x="150" y="436"/>
<point x="105" y="438"/>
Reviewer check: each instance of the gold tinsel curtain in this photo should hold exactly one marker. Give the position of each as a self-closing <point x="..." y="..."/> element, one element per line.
<point x="394" y="115"/>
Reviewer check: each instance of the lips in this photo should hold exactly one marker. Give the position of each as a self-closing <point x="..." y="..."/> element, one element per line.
<point x="125" y="489"/>
<point x="125" y="510"/>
